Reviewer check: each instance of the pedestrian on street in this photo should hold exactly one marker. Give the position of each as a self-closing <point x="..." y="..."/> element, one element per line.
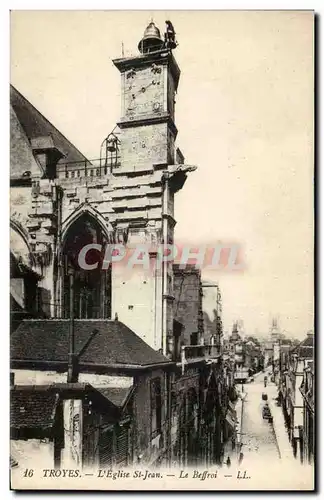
<point x="228" y="462"/>
<point x="241" y="458"/>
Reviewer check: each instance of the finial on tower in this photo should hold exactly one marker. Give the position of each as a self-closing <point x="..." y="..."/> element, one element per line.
<point x="151" y="40"/>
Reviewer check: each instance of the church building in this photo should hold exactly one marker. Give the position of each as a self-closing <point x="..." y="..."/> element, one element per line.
<point x="96" y="341"/>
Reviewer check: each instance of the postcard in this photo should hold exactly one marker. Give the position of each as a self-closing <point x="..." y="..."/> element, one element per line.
<point x="161" y="250"/>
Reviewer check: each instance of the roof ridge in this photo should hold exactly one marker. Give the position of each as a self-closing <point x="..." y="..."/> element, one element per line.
<point x="99" y="343"/>
<point x="48" y="319"/>
<point x="106" y="320"/>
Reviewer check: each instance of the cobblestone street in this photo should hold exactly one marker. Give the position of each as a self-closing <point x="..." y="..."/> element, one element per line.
<point x="257" y="433"/>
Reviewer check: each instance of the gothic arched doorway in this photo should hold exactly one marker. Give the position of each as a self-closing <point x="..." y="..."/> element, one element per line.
<point x="91" y="288"/>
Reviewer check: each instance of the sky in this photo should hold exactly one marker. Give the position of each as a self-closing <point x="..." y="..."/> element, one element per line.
<point x="244" y="112"/>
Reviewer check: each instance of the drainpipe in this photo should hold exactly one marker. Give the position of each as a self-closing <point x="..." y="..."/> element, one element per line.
<point x="165" y="199"/>
<point x="72" y="375"/>
<point x="169" y="454"/>
<point x="59" y="299"/>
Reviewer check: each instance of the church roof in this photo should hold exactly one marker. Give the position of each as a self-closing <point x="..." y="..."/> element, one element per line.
<point x="98" y="343"/>
<point x="35" y="125"/>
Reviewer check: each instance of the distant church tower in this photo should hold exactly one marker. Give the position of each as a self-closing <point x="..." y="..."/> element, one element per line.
<point x="235" y="336"/>
<point x="274" y="330"/>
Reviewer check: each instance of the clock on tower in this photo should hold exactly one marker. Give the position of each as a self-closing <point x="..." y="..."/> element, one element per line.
<point x="143" y="92"/>
<point x="149" y="85"/>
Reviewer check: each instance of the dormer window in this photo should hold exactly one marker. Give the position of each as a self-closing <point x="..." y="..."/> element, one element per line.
<point x="47" y="155"/>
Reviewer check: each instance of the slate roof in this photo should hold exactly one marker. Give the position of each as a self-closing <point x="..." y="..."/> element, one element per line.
<point x="32" y="408"/>
<point x="99" y="342"/>
<point x="117" y="395"/>
<point x="35" y="125"/>
<point x="285" y="341"/>
<point x="305" y="349"/>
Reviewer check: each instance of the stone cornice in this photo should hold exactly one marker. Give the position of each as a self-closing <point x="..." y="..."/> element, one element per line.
<point x="163" y="56"/>
<point x="149" y="120"/>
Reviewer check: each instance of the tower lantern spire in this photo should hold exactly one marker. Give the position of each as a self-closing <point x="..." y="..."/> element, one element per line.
<point x="151" y="40"/>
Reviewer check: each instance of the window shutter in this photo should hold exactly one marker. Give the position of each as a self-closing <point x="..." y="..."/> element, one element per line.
<point x="106" y="449"/>
<point x="122" y="446"/>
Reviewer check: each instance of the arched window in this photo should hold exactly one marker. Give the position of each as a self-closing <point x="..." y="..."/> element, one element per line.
<point x="91" y="288"/>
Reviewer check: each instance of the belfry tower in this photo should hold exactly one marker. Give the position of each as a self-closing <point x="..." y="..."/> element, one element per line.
<point x="126" y="198"/>
<point x="149" y="84"/>
<point x="150" y="172"/>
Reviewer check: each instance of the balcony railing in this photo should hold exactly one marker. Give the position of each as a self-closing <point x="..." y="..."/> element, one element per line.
<point x="89" y="169"/>
<point x="192" y="353"/>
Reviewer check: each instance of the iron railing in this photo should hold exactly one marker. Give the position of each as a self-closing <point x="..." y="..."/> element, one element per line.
<point x="190" y="353"/>
<point x="91" y="169"/>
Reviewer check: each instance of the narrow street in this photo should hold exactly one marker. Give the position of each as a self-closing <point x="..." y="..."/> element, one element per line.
<point x="258" y="436"/>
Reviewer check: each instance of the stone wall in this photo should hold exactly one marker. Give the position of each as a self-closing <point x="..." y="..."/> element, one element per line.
<point x="144" y="146"/>
<point x="148" y="448"/>
<point x="38" y="377"/>
<point x="187" y="304"/>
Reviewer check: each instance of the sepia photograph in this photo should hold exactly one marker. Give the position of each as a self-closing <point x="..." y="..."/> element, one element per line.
<point x="162" y="332"/>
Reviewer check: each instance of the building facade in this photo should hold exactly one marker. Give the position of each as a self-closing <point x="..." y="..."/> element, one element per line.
<point x="307" y="390"/>
<point x="212" y="313"/>
<point x="295" y="361"/>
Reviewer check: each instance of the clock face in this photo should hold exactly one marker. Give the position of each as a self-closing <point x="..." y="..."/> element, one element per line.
<point x="144" y="93"/>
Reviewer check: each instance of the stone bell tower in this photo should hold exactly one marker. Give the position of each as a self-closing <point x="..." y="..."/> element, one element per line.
<point x="151" y="171"/>
<point x="149" y="84"/>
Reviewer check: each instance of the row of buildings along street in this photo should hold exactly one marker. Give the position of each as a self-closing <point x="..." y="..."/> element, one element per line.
<point x="113" y="369"/>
